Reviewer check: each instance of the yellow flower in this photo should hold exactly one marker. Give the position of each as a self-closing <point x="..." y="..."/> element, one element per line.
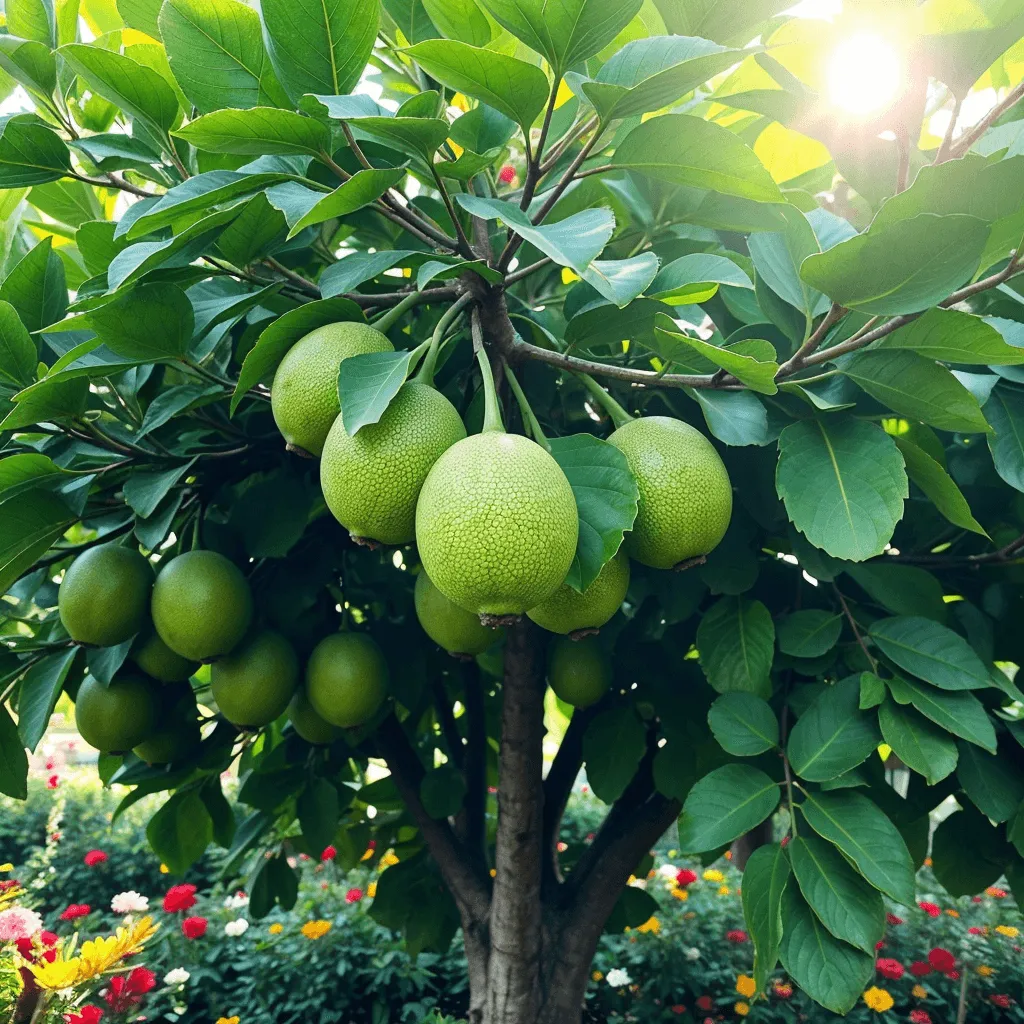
<point x="742" y="1009"/>
<point x="276" y="928"/>
<point x="953" y="913"/>
<point x="878" y="999"/>
<point x="164" y="869"/>
<point x="1008" y="930"/>
<point x="713" y="875"/>
<point x="919" y="992"/>
<point x="597" y="976"/>
<point x="680" y="894"/>
<point x="371" y="890"/>
<point x="746" y="986"/>
<point x="652" y="924"/>
<point x="389" y="859"/>
<point x="228" y="1020"/>
<point x="986" y="971"/>
<point x="60" y="974"/>
<point x="316" y="929"/>
<point x="724" y="890"/>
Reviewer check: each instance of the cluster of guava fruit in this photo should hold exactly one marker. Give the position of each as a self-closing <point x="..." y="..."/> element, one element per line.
<point x="493" y="517"/>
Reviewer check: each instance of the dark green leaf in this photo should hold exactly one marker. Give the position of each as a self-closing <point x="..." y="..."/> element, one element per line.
<point x="606" y="498"/>
<point x="736" y="641"/>
<point x="920" y="745"/>
<point x="743" y="724"/>
<point x="724" y="805"/>
<point x="930" y="651"/>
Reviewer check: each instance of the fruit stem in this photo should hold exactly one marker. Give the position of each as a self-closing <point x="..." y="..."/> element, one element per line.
<point x="388" y="320"/>
<point x="492" y="411"/>
<point x="426" y="371"/>
<point x="618" y="415"/>
<point x="529" y="418"/>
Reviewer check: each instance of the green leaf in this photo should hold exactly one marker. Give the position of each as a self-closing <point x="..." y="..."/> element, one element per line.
<point x="215" y="49"/>
<point x="736" y="641"/>
<point x="930" y="651"/>
<point x="743" y="724"/>
<point x="255" y="132"/>
<point x="566" y="33"/>
<point x="621" y="281"/>
<point x="573" y="242"/>
<point x="831" y="972"/>
<point x="150" y="322"/>
<point x="18" y="356"/>
<point x="366" y="385"/>
<point x="317" y="808"/>
<point x="29" y="62"/>
<point x="843" y="485"/>
<point x="40" y="689"/>
<point x="30" y="153"/>
<point x="13" y="759"/>
<point x="319" y="47"/>
<point x="360" y="190"/>
<point x="833" y="735"/>
<point x="272" y="344"/>
<point x="960" y="713"/>
<point x="1005" y="414"/>
<point x="757" y="374"/>
<point x="724" y="805"/>
<point x="903" y="267"/>
<point x="518" y="89"/>
<point x="938" y="485"/>
<point x="415" y="136"/>
<point x="649" y="74"/>
<point x="686" y="150"/>
<point x="36" y="287"/>
<point x="994" y="784"/>
<point x="138" y="90"/>
<point x="613" y="746"/>
<point x="918" y="388"/>
<point x="920" y="745"/>
<point x="843" y="901"/>
<point x="606" y="499"/>
<point x="764" y="881"/>
<point x="952" y="336"/>
<point x="866" y="837"/>
<point x="180" y="831"/>
<point x="695" y="279"/>
<point x="809" y="634"/>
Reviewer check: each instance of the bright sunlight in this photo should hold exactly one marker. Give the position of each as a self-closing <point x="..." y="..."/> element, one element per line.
<point x="864" y="74"/>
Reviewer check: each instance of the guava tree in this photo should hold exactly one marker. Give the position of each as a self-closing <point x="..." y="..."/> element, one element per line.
<point x="797" y="319"/>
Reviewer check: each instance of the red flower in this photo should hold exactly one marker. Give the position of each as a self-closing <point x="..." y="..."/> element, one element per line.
<point x="892" y="969"/>
<point x="920" y="969"/>
<point x="685" y="877"/>
<point x="975" y="931"/>
<point x="193" y="927"/>
<point x="53" y="782"/>
<point x="507" y="174"/>
<point x="353" y="895"/>
<point x="86" y="1015"/>
<point x="941" y="959"/>
<point x="1002" y="1001"/>
<point x="329" y="853"/>
<point x="919" y="1017"/>
<point x="94" y="857"/>
<point x="75" y="910"/>
<point x="126" y="991"/>
<point x="931" y="909"/>
<point x="893" y="919"/>
<point x="704" y="1003"/>
<point x="180" y="897"/>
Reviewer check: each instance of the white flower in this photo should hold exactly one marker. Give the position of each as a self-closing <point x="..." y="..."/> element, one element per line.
<point x="618" y="978"/>
<point x="176" y="977"/>
<point x="693" y="953"/>
<point x="668" y="871"/>
<point x="236" y="928"/>
<point x="129" y="902"/>
<point x="237" y="901"/>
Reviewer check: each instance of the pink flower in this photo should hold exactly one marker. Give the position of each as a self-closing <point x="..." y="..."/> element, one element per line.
<point x="931" y="909"/>
<point x="329" y="853"/>
<point x="353" y="895"/>
<point x="737" y="935"/>
<point x="193" y="927"/>
<point x="507" y="174"/>
<point x="888" y="968"/>
<point x="179" y="897"/>
<point x="76" y="910"/>
<point x="94" y="857"/>
<point x="19" y="923"/>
